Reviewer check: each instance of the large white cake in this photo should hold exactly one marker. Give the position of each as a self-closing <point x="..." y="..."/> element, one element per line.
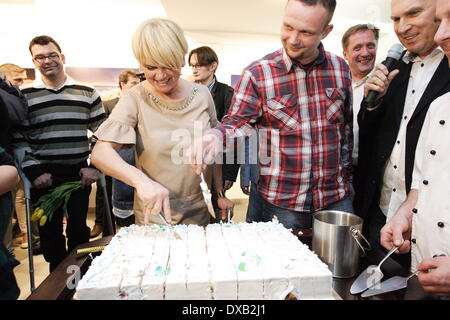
<point x="221" y="262"/>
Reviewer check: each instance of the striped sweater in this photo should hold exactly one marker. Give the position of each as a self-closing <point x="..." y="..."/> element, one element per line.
<point x="54" y="136"/>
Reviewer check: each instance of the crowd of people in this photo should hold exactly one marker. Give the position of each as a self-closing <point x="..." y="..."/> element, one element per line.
<point x="312" y="140"/>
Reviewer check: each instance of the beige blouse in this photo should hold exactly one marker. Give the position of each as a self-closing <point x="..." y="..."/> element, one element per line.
<point x="162" y="130"/>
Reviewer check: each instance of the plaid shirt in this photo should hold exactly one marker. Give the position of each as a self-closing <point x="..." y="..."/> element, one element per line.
<point x="304" y="118"/>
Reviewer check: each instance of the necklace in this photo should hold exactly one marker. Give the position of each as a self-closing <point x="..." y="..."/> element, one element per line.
<point x="158" y="102"/>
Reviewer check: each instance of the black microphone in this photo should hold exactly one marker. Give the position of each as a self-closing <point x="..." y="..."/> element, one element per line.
<point x="394" y="54"/>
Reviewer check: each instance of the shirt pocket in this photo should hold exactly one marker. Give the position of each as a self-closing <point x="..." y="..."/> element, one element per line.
<point x="335" y="98"/>
<point x="283" y="111"/>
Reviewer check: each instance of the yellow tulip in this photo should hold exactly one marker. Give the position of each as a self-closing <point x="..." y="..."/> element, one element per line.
<point x="40" y="213"/>
<point x="42" y="221"/>
<point x="37" y="214"/>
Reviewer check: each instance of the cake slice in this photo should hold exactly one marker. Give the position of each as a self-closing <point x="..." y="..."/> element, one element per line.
<point x="223" y="273"/>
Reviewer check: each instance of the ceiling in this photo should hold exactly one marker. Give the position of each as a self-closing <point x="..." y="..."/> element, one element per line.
<point x="262" y="16"/>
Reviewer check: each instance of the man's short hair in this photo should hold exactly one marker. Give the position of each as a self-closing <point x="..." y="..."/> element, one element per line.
<point x="42" y="41"/>
<point x="160" y="42"/>
<point x="205" y="56"/>
<point x="8" y="68"/>
<point x="125" y="74"/>
<point x="359" y="27"/>
<point x="330" y="5"/>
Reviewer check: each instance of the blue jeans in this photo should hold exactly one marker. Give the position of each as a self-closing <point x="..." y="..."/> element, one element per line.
<point x="255" y="205"/>
<point x="293" y="219"/>
<point x="123" y="194"/>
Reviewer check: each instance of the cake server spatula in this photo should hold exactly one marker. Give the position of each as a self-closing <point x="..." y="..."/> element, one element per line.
<point x="391" y="284"/>
<point x="171" y="228"/>
<point x="370" y="277"/>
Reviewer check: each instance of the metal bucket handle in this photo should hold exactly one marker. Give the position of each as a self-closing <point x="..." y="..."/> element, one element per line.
<point x="355" y="233"/>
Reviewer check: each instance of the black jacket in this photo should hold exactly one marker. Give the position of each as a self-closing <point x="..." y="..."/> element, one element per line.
<point x="379" y="129"/>
<point x="222" y="95"/>
<point x="13" y="110"/>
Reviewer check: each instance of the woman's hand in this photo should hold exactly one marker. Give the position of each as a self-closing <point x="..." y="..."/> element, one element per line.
<point x="224" y="204"/>
<point x="154" y="199"/>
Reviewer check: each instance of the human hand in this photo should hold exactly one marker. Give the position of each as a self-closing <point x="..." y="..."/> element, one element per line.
<point x="434" y="275"/>
<point x="203" y="150"/>
<point x="379" y="80"/>
<point x="397" y="231"/>
<point x="227" y="185"/>
<point x="246" y="190"/>
<point x="88" y="176"/>
<point x="224" y="205"/>
<point x="154" y="198"/>
<point x="45" y="180"/>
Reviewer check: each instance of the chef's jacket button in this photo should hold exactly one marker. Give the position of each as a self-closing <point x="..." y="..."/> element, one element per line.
<point x="425" y="182"/>
<point x="394" y="189"/>
<point x="413" y="240"/>
<point x="442" y="122"/>
<point x="398" y="142"/>
<point x="440" y="224"/>
<point x="433" y="152"/>
<point x="405" y="117"/>
<point x="422" y="65"/>
<point x="395" y="167"/>
<point x="414" y="91"/>
<point x="414" y="210"/>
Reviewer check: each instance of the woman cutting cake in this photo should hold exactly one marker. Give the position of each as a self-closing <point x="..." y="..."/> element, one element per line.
<point x="160" y="116"/>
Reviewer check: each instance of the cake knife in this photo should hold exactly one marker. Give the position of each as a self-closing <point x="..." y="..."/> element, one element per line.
<point x="171" y="228"/>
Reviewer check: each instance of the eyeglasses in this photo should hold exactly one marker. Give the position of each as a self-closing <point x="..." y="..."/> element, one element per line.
<point x="51" y="56"/>
<point x="197" y="66"/>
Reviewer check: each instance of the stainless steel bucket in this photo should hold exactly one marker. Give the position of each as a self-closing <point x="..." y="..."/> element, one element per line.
<point x="336" y="240"/>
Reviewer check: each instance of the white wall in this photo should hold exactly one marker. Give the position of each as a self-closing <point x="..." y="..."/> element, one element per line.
<point x="236" y="51"/>
<point x="91" y="33"/>
<point x="96" y="33"/>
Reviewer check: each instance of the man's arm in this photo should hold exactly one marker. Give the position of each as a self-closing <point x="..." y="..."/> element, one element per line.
<point x="8" y="173"/>
<point x="97" y="112"/>
<point x="97" y="115"/>
<point x="397" y="232"/>
<point x="347" y="145"/>
<point x="435" y="275"/>
<point x="244" y="111"/>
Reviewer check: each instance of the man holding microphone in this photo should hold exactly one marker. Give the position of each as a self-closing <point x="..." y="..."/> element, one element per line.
<point x="390" y="126"/>
<point x="422" y="222"/>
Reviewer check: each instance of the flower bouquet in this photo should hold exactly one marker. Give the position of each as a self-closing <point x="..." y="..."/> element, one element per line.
<point x="52" y="201"/>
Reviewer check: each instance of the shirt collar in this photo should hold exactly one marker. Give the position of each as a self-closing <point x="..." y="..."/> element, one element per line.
<point x="39" y="83"/>
<point x="363" y="80"/>
<point x="212" y="83"/>
<point x="321" y="58"/>
<point x="413" y="57"/>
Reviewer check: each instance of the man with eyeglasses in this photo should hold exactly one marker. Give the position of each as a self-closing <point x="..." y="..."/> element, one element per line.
<point x="204" y="63"/>
<point x="60" y="112"/>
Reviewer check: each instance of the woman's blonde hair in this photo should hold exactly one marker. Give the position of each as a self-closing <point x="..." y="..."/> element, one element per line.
<point x="160" y="42"/>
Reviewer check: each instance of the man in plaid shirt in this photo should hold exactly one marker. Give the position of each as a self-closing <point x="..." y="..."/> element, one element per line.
<point x="300" y="99"/>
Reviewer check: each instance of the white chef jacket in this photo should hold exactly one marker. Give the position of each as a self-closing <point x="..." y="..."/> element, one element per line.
<point x="431" y="176"/>
<point x="393" y="192"/>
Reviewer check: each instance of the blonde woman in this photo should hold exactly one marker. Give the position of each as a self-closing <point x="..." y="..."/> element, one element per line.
<point x="159" y="116"/>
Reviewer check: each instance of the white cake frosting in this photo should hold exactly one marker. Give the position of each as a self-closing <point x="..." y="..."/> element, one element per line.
<point x="221" y="262"/>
